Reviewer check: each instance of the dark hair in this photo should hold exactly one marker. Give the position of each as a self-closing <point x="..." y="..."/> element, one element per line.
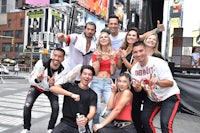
<point x="127" y="75"/>
<point x="113" y="16"/>
<point x="35" y="20"/>
<point x="138" y="43"/>
<point x="90" y="23"/>
<point x="193" y="49"/>
<point x="125" y="43"/>
<point x="105" y="30"/>
<point x="61" y="50"/>
<point x="88" y="67"/>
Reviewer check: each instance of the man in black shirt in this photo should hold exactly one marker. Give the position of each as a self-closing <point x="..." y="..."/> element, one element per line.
<point x="79" y="98"/>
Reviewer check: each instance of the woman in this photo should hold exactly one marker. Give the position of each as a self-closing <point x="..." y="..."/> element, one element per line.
<point x="195" y="56"/>
<point x="132" y="36"/>
<point x="104" y="61"/>
<point x="120" y="102"/>
<point x="152" y="42"/>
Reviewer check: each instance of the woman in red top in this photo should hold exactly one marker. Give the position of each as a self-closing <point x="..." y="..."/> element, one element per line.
<point x="104" y="61"/>
<point x="120" y="102"/>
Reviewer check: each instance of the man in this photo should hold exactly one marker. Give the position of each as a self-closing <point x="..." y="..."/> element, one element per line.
<point x="117" y="38"/>
<point x="153" y="75"/>
<point x="73" y="92"/>
<point x="45" y="75"/>
<point x="81" y="46"/>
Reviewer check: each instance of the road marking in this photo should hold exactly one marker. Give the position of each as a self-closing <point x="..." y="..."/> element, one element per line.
<point x="11" y="109"/>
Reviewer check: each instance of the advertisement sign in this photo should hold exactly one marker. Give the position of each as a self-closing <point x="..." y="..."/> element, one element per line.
<point x="38" y="2"/>
<point x="98" y="7"/>
<point x="41" y="26"/>
<point x="99" y="23"/>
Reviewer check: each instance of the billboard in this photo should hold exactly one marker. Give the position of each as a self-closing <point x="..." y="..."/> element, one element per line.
<point x="41" y="26"/>
<point x="98" y="7"/>
<point x="38" y="2"/>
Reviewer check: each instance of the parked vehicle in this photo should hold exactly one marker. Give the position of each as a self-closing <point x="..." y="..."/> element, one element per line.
<point x="3" y="69"/>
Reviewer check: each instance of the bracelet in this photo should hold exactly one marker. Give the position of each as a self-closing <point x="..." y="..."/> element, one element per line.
<point x="157" y="31"/>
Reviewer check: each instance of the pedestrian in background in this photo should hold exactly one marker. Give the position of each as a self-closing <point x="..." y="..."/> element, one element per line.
<point x="195" y="56"/>
<point x="16" y="69"/>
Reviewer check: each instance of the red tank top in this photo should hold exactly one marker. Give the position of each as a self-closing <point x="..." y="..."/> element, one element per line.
<point x="104" y="64"/>
<point x="125" y="114"/>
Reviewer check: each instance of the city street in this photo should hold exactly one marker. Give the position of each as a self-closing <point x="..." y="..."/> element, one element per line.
<point x="12" y="97"/>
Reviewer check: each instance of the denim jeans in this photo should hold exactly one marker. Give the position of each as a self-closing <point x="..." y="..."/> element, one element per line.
<point x="62" y="127"/>
<point x="102" y="86"/>
<point x="30" y="100"/>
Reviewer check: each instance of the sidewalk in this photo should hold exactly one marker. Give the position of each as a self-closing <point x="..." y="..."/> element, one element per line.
<point x="20" y="75"/>
<point x="183" y="123"/>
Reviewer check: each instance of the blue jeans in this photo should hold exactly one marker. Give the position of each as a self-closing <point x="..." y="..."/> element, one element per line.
<point x="30" y="100"/>
<point x="102" y="86"/>
<point x="167" y="108"/>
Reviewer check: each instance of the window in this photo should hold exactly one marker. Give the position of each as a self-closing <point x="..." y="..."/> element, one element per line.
<point x="18" y="34"/>
<point x="6" y="47"/>
<point x="19" y="47"/>
<point x="9" y="23"/>
<point x="21" y="22"/>
<point x="3" y="6"/>
<point x="8" y="33"/>
<point x="16" y="4"/>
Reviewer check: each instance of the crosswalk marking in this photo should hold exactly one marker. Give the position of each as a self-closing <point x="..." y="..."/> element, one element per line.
<point x="11" y="109"/>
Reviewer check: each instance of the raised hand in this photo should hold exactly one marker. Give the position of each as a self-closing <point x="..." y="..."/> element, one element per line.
<point x="160" y="26"/>
<point x="61" y="37"/>
<point x="40" y="76"/>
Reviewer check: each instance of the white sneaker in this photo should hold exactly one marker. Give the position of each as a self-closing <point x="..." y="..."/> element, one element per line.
<point x="49" y="131"/>
<point x="25" y="131"/>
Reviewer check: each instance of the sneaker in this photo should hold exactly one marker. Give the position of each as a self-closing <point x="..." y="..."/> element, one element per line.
<point x="25" y="131"/>
<point x="49" y="131"/>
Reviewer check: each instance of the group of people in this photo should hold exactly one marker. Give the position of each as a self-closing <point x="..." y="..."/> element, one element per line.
<point x="119" y="67"/>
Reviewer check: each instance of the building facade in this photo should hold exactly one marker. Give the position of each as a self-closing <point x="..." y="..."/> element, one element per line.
<point x="12" y="34"/>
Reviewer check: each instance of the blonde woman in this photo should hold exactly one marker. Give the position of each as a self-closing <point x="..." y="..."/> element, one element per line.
<point x="152" y="43"/>
<point x="104" y="61"/>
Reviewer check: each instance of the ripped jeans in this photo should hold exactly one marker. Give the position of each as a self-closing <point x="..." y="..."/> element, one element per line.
<point x="30" y="100"/>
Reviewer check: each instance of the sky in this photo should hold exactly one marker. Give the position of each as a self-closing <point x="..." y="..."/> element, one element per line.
<point x="191" y="17"/>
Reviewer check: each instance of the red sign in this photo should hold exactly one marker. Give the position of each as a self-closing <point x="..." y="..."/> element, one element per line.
<point x="100" y="7"/>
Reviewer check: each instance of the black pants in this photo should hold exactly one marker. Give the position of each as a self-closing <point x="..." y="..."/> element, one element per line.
<point x="138" y="98"/>
<point x="167" y="108"/>
<point x="110" y="128"/>
<point x="30" y="100"/>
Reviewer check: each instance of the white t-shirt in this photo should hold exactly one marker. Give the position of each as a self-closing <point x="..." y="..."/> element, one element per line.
<point x="158" y="68"/>
<point x="116" y="42"/>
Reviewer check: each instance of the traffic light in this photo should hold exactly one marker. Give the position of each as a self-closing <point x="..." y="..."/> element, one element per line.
<point x="45" y="51"/>
<point x="13" y="41"/>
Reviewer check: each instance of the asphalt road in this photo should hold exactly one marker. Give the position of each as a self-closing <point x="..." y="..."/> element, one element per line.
<point x="12" y="96"/>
